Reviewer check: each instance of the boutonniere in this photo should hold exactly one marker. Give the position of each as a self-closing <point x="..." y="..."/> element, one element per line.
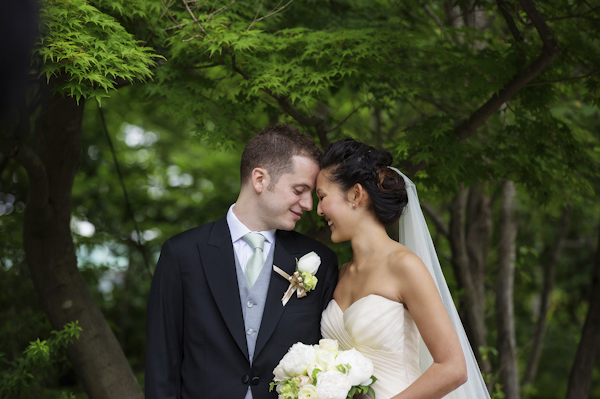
<point x="303" y="280"/>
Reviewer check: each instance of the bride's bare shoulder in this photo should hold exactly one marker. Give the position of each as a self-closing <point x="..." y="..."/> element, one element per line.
<point x="402" y="260"/>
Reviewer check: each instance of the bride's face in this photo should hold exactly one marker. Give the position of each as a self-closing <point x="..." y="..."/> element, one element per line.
<point x="335" y="207"/>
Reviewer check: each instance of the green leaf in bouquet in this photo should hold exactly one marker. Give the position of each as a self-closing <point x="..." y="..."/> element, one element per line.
<point x="314" y="375"/>
<point x="372" y="392"/>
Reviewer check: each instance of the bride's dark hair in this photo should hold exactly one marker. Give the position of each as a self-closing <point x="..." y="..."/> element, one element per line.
<point x="349" y="161"/>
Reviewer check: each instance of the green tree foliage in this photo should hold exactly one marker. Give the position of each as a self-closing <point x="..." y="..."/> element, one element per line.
<point x="19" y="380"/>
<point x="463" y="93"/>
<point x="89" y="48"/>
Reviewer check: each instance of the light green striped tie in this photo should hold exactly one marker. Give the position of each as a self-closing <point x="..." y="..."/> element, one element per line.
<point x="255" y="263"/>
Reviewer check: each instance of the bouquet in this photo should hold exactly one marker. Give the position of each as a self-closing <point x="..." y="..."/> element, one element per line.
<point x="322" y="372"/>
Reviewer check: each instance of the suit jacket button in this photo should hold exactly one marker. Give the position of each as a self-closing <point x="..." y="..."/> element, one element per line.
<point x="255" y="380"/>
<point x="245" y="379"/>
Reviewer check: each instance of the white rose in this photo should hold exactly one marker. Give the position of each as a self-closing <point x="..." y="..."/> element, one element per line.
<point x="312" y="367"/>
<point x="297" y="360"/>
<point x="302" y="380"/>
<point x="328" y="344"/>
<point x="361" y="368"/>
<point x="326" y="359"/>
<point x="309" y="263"/>
<point x="279" y="373"/>
<point x="333" y="385"/>
<point x="307" y="392"/>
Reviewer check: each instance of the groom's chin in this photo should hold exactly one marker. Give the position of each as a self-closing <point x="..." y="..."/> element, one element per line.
<point x="288" y="226"/>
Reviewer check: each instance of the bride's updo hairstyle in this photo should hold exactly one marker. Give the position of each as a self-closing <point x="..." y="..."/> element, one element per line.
<point x="349" y="161"/>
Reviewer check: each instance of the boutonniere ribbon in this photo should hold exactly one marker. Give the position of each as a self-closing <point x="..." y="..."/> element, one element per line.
<point x="303" y="279"/>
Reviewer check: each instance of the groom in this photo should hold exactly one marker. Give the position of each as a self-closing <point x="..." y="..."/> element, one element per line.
<point x="216" y="327"/>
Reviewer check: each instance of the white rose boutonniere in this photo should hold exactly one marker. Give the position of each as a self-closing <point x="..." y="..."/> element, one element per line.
<point x="303" y="280"/>
<point x="307" y="266"/>
<point x="309" y="263"/>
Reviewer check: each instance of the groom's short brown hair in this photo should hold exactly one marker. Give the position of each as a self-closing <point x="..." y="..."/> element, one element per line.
<point x="273" y="148"/>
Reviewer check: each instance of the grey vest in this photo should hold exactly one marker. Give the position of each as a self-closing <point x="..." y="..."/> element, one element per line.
<point x="253" y="302"/>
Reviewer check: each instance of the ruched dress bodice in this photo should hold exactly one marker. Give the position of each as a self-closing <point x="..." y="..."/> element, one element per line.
<point x="382" y="330"/>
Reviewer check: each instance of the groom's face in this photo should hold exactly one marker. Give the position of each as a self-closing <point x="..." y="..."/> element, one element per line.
<point x="282" y="203"/>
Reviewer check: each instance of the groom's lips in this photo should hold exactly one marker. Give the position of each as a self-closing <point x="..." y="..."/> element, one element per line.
<point x="296" y="214"/>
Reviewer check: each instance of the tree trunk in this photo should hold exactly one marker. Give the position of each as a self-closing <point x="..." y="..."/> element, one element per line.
<point x="580" y="379"/>
<point x="550" y="260"/>
<point x="506" y="344"/>
<point x="50" y="253"/>
<point x="472" y="308"/>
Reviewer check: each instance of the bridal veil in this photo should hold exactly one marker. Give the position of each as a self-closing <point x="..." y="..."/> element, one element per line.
<point x="415" y="235"/>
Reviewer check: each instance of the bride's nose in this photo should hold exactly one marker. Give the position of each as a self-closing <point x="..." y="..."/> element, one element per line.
<point x="319" y="211"/>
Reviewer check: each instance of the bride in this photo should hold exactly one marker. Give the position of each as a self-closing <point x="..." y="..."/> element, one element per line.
<point x="390" y="296"/>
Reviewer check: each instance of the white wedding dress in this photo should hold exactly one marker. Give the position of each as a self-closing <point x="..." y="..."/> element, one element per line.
<point x="382" y="330"/>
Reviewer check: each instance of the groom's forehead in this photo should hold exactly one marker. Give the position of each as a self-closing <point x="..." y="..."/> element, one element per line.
<point x="303" y="167"/>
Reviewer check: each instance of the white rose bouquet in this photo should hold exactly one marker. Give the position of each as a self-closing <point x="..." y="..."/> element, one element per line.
<point x="322" y="372"/>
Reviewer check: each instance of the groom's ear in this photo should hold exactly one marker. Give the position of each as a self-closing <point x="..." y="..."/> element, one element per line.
<point x="260" y="179"/>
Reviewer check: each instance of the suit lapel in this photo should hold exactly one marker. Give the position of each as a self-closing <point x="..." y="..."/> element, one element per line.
<point x="286" y="252"/>
<point x="219" y="267"/>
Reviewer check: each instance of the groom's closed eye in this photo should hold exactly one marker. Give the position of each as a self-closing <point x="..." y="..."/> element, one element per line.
<point x="299" y="190"/>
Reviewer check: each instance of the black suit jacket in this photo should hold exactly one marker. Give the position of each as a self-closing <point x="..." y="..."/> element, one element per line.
<point x="196" y="344"/>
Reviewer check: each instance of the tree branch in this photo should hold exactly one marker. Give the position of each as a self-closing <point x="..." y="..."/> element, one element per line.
<point x="439" y="106"/>
<point x="589" y="75"/>
<point x="437" y="220"/>
<point x="582" y="15"/>
<point x="549" y="53"/>
<point x="256" y="16"/>
<point x="540" y="25"/>
<point x="185" y="2"/>
<point x="349" y="115"/>
<point x="284" y="103"/>
<point x="220" y="10"/>
<point x="291" y="111"/>
<point x="26" y="157"/>
<point x="234" y="65"/>
<point x="272" y="12"/>
<point x="432" y="16"/>
<point x="512" y="26"/>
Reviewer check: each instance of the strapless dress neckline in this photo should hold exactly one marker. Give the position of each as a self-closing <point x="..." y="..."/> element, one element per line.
<point x="360" y="299"/>
<point x="383" y="330"/>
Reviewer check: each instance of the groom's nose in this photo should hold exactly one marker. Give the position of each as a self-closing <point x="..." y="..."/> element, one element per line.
<point x="306" y="202"/>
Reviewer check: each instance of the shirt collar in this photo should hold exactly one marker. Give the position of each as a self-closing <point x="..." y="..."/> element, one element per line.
<point x="238" y="230"/>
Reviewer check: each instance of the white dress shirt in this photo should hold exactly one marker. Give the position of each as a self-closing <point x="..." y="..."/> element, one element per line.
<point x="242" y="249"/>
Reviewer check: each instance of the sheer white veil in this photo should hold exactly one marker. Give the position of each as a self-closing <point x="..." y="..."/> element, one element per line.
<point x="414" y="234"/>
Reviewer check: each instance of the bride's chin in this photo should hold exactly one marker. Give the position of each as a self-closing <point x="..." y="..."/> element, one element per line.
<point x="335" y="239"/>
